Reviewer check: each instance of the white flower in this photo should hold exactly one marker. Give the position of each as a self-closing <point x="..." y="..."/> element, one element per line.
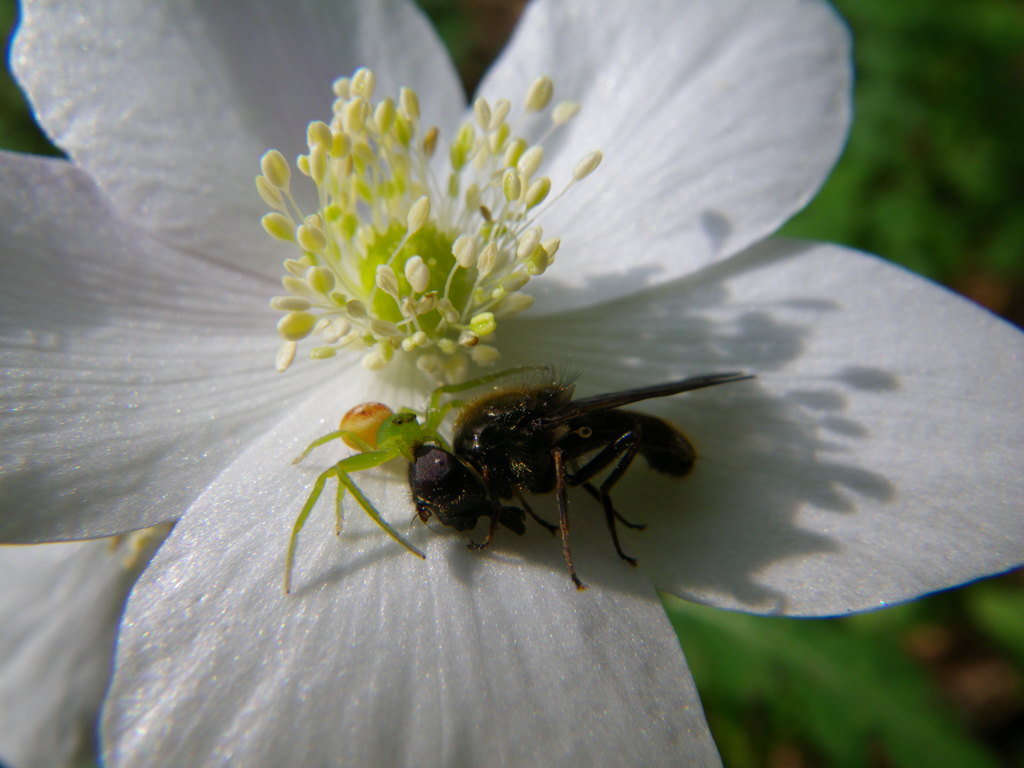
<point x="61" y="604"/>
<point x="875" y="458"/>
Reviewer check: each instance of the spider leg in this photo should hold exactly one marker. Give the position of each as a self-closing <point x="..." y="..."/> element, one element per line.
<point x="300" y="521"/>
<point x="447" y="389"/>
<point x="341" y="470"/>
<point x="338" y="434"/>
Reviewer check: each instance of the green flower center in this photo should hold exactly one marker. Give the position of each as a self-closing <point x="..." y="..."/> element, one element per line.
<point x="404" y="254"/>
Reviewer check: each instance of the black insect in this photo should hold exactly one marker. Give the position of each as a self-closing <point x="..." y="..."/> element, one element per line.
<point x="536" y="439"/>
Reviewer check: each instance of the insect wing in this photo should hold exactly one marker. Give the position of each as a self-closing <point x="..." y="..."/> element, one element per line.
<point x="583" y="406"/>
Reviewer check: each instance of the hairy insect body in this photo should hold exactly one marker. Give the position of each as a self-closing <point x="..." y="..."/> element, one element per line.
<point x="499" y="432"/>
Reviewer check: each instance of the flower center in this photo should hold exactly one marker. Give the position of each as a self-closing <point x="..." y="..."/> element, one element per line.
<point x="406" y="254"/>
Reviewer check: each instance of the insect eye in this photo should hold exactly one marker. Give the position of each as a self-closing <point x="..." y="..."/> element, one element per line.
<point x="433" y="465"/>
<point x="583" y="432"/>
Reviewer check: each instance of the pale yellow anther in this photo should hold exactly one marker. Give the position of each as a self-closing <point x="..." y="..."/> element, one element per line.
<point x="363" y="83"/>
<point x="415" y="341"/>
<point x="321" y="279"/>
<point x="299" y="287"/>
<point x="564" y="111"/>
<point x="462" y="146"/>
<point x="511" y="185"/>
<point x="485" y="354"/>
<point x="375" y="360"/>
<point x="418" y="214"/>
<point x="318" y="163"/>
<point x="537" y="192"/>
<point x="318" y="134"/>
<point x="448" y="311"/>
<point x="496" y="141"/>
<point x="587" y="165"/>
<point x="279" y="226"/>
<point x="409" y="103"/>
<point x="310" y="238"/>
<point x="539" y="94"/>
<point x="297" y="267"/>
<point x="355" y="309"/>
<point x="384" y="328"/>
<point x="387" y="280"/>
<point x="513" y="282"/>
<point x="482" y="113"/>
<point x="322" y="353"/>
<point x="528" y="242"/>
<point x="341" y="145"/>
<point x="384" y="115"/>
<point x="296" y="326"/>
<point x="499" y="113"/>
<point x="483" y="324"/>
<point x="537" y="263"/>
<point x="464" y="251"/>
<point x="270" y="194"/>
<point x="417" y="273"/>
<point x="275" y="169"/>
<point x="513" y="152"/>
<point x="551" y="246"/>
<point x="285" y="355"/>
<point x="289" y="303"/>
<point x="430" y="141"/>
<point x="342" y="87"/>
<point x="530" y="160"/>
<point x="488" y="259"/>
<point x="425" y="303"/>
<point x="331" y="330"/>
<point x="355" y="114"/>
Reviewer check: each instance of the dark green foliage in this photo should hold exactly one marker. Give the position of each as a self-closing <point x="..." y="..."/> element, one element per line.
<point x="839" y="693"/>
<point x="933" y="176"/>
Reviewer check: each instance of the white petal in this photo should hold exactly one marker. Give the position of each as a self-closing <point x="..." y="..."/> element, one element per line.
<point x="379" y="658"/>
<point x="59" y="607"/>
<point x="875" y="458"/>
<point x="132" y="372"/>
<point x="718" y="120"/>
<point x="169" y="105"/>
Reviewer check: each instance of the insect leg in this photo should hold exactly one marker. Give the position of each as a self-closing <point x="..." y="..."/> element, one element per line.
<point x="551" y="528"/>
<point x="589" y="488"/>
<point x="624" y="448"/>
<point x="563" y="514"/>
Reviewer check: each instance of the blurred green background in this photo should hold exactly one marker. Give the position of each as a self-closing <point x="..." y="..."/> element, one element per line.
<point x="932" y="178"/>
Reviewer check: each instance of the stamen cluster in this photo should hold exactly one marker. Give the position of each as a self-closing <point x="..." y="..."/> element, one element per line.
<point x="405" y="253"/>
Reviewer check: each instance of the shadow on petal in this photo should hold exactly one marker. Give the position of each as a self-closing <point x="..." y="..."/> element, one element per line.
<point x="769" y="449"/>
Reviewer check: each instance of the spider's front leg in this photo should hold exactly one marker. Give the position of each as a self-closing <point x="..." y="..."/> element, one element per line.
<point x="351" y="464"/>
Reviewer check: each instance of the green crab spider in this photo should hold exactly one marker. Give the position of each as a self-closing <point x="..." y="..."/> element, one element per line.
<point x="398" y="434"/>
